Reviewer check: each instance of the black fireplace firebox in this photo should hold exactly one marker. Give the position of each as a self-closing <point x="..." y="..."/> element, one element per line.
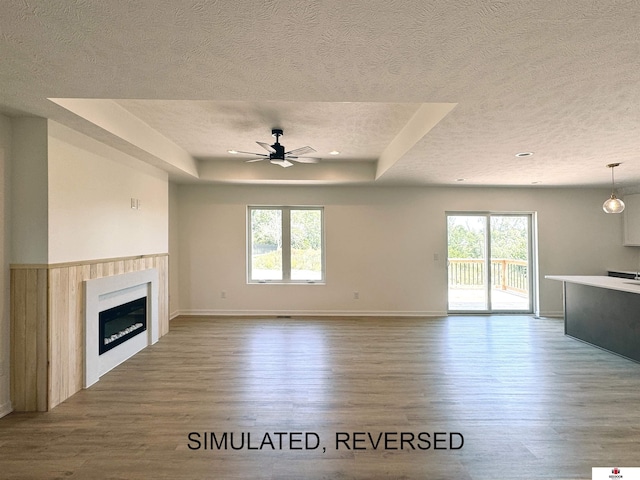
<point x="119" y="324"/>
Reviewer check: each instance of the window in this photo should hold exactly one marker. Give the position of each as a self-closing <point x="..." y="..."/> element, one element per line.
<point x="285" y="244"/>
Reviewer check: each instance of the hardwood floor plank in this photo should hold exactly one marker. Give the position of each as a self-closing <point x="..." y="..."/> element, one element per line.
<point x="527" y="401"/>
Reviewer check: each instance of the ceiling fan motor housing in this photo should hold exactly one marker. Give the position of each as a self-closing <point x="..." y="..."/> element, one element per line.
<point x="279" y="149"/>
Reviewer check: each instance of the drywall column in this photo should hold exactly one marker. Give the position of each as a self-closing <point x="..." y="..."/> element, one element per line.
<point x="29" y="247"/>
<point x="29" y="191"/>
<point x="5" y="153"/>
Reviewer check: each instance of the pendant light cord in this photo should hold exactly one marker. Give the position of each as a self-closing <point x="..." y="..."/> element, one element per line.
<point x="613" y="183"/>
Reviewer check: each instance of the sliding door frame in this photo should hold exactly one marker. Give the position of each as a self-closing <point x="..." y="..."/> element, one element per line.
<point x="532" y="261"/>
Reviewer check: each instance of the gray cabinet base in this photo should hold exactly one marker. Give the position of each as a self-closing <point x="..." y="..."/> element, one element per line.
<point x="609" y="319"/>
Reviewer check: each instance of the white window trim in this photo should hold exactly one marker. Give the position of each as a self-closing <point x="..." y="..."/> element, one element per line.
<point x="286" y="245"/>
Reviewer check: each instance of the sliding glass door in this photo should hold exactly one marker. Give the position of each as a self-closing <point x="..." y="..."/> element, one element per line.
<point x="489" y="263"/>
<point x="466" y="263"/>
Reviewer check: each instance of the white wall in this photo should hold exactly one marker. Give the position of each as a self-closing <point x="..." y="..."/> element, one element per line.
<point x="174" y="253"/>
<point x="380" y="242"/>
<point x="90" y="190"/>
<point x="5" y="357"/>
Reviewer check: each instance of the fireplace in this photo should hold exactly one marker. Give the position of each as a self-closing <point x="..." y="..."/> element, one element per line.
<point x="121" y="318"/>
<point x="119" y="324"/>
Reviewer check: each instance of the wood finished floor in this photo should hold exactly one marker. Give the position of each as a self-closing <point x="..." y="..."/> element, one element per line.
<point x="530" y="403"/>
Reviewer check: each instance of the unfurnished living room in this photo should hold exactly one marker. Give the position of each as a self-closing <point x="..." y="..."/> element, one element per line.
<point x="288" y="239"/>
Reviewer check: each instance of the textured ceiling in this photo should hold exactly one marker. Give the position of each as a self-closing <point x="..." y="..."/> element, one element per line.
<point x="560" y="78"/>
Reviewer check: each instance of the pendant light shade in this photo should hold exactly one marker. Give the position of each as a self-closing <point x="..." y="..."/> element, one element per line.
<point x="613" y="204"/>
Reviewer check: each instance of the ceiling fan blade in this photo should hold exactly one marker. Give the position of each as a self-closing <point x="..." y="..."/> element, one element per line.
<point x="253" y="153"/>
<point x="267" y="147"/>
<point x="304" y="159"/>
<point x="300" y="151"/>
<point x="256" y="159"/>
<point x="282" y="163"/>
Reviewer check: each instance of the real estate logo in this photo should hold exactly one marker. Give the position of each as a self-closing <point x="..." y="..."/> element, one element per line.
<point x="615" y="473"/>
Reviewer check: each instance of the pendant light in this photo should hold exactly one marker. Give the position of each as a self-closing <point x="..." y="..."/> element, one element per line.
<point x="613" y="204"/>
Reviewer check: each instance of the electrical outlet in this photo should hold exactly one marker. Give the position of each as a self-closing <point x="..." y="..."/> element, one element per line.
<point x="223" y="294"/>
<point x="356" y="295"/>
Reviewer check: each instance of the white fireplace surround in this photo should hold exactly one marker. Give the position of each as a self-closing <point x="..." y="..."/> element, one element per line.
<point x="108" y="292"/>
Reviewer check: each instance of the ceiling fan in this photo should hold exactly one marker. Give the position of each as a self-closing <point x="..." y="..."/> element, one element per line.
<point x="277" y="154"/>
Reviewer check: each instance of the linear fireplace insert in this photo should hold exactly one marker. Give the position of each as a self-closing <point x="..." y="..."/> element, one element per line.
<point x="119" y="324"/>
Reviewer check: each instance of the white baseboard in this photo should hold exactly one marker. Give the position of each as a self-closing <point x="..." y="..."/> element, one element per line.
<point x="5" y="409"/>
<point x="306" y="313"/>
<point x="323" y="313"/>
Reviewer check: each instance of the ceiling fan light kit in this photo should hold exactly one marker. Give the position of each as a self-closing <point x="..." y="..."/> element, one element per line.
<point x="278" y="155"/>
<point x="613" y="204"/>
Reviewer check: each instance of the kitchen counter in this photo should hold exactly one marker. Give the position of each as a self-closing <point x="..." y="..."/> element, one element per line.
<point x="602" y="281"/>
<point x="603" y="311"/>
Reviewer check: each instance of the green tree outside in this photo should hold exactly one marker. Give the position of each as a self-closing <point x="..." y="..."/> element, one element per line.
<point x="306" y="239"/>
<point x="509" y="238"/>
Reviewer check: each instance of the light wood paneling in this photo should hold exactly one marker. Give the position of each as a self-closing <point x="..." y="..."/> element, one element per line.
<point x="47" y="368"/>
<point x="29" y="339"/>
<point x="58" y="334"/>
<point x="162" y="264"/>
<point x="43" y="345"/>
<point x="18" y="350"/>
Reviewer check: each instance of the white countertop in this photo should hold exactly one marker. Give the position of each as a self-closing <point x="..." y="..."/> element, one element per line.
<point x="613" y="283"/>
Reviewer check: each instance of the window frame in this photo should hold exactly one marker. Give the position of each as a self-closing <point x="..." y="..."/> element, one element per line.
<point x="286" y="245"/>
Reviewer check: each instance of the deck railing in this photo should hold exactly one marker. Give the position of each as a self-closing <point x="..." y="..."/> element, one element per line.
<point x="506" y="274"/>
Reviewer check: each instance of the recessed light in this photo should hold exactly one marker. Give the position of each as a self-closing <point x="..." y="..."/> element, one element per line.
<point x="334" y="152"/>
<point x="535" y="183"/>
<point x="232" y="151"/>
<point x="460" y="179"/>
<point x="524" y="154"/>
